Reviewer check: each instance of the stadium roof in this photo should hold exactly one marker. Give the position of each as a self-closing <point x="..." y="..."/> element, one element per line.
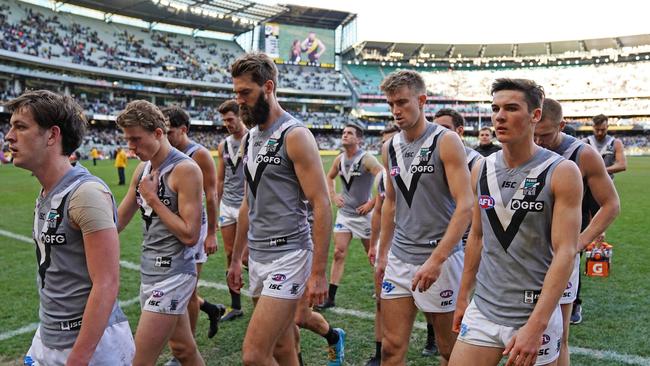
<point x="229" y="16"/>
<point x="313" y="17"/>
<point x="449" y="50"/>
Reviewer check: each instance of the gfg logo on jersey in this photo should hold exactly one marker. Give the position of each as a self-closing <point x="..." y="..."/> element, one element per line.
<point x="278" y="277"/>
<point x="446" y="294"/>
<point x="424" y="169"/>
<point x="53" y="239"/>
<point x="485" y="201"/>
<point x="273" y="160"/>
<point x="394" y="171"/>
<point x="531" y="206"/>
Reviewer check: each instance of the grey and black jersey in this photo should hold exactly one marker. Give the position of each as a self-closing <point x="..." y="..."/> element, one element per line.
<point x="357" y="182"/>
<point x="605" y="148"/>
<point x="570" y="148"/>
<point x="64" y="283"/>
<point x="163" y="254"/>
<point x="276" y="203"/>
<point x="233" y="183"/>
<point x="471" y="156"/>
<point x="381" y="184"/>
<point x="516" y="214"/>
<point x="423" y="202"/>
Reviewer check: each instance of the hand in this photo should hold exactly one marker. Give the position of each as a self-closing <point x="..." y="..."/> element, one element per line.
<point x="75" y="359"/>
<point x="380" y="269"/>
<point x="210" y="244"/>
<point x="461" y="306"/>
<point x="338" y="200"/>
<point x="426" y="275"/>
<point x="316" y="289"/>
<point x="523" y="347"/>
<point x="366" y="207"/>
<point x="148" y="187"/>
<point x="234" y="278"/>
<point x="372" y="254"/>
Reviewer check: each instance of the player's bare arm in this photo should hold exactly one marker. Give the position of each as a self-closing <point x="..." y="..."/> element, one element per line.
<point x="203" y="158"/>
<point x="372" y="166"/>
<point x="565" y="227"/>
<point x="331" y="183"/>
<point x="241" y="240"/>
<point x="187" y="181"/>
<point x="620" y="162"/>
<point x="473" y="250"/>
<point x="129" y="205"/>
<point x="452" y="154"/>
<point x="303" y="152"/>
<point x="603" y="190"/>
<point x="221" y="174"/>
<point x="387" y="220"/>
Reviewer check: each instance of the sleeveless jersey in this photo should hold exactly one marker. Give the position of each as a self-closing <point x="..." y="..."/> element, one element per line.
<point x="605" y="148"/>
<point x="63" y="279"/>
<point x="471" y="157"/>
<point x="357" y="182"/>
<point x="381" y="184"/>
<point x="570" y="148"/>
<point x="276" y="203"/>
<point x="516" y="214"/>
<point x="423" y="203"/>
<point x="233" y="183"/>
<point x="163" y="255"/>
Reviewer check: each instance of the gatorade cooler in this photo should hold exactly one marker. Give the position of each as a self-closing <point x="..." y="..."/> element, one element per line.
<point x="599" y="259"/>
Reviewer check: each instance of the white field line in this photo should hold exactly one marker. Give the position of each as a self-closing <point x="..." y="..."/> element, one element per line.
<point x="592" y="353"/>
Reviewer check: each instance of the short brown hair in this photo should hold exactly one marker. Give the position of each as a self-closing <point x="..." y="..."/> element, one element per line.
<point x="258" y="65"/>
<point x="456" y="118"/>
<point x="50" y="109"/>
<point x="390" y="128"/>
<point x="533" y="93"/>
<point x="176" y="116"/>
<point x="599" y="119"/>
<point x="407" y="78"/>
<point x="229" y="106"/>
<point x="552" y="111"/>
<point x="140" y="113"/>
<point x="488" y="129"/>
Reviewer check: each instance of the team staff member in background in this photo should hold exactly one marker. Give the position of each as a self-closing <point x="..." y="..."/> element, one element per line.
<point x="77" y="246"/>
<point x="357" y="170"/>
<point x="283" y="168"/>
<point x="121" y="161"/>
<point x="167" y="187"/>
<point x="485" y="145"/>
<point x="179" y="126"/>
<point x="549" y="135"/>
<point x="524" y="233"/>
<point x="230" y="191"/>
<point x="426" y="210"/>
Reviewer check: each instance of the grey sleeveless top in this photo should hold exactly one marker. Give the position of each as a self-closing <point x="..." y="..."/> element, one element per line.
<point x="570" y="148"/>
<point x="276" y="203"/>
<point x="63" y="279"/>
<point x="163" y="255"/>
<point x="605" y="148"/>
<point x="357" y="182"/>
<point x="233" y="183"/>
<point x="423" y="203"/>
<point x="190" y="149"/>
<point x="516" y="214"/>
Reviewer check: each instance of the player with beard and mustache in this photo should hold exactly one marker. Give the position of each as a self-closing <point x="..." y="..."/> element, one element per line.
<point x="283" y="170"/>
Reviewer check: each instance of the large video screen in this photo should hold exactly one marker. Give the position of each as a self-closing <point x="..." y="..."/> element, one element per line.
<point x="299" y="45"/>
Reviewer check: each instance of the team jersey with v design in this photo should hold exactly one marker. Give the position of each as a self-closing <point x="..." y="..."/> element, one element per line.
<point x="516" y="213"/>
<point x="277" y="205"/>
<point x="423" y="203"/>
<point x="357" y="182"/>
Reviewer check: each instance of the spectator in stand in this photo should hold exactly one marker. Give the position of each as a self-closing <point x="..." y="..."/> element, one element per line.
<point x="485" y="145"/>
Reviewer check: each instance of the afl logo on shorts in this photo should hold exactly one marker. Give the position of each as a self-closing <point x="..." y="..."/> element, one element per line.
<point x="278" y="277"/>
<point x="569" y="285"/>
<point x="545" y="339"/>
<point x="394" y="171"/>
<point x="485" y="202"/>
<point x="446" y="294"/>
<point x="157" y="293"/>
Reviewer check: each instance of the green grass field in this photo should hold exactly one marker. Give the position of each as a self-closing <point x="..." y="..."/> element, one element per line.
<point x="615" y="308"/>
